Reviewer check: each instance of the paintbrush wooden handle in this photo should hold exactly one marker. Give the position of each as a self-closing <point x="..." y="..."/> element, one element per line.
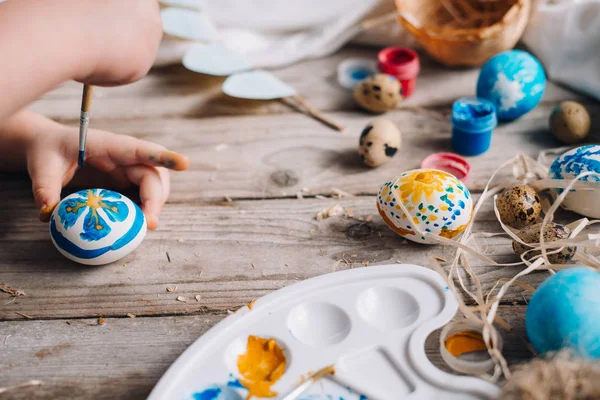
<point x="86" y="99"/>
<point x="84" y="120"/>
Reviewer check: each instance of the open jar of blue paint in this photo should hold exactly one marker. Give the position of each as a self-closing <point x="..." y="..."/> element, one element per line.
<point x="473" y="120"/>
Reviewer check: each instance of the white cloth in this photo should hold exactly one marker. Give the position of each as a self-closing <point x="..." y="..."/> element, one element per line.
<point x="273" y="33"/>
<point x="565" y="36"/>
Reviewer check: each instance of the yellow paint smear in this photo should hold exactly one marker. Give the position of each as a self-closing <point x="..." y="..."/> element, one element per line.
<point x="261" y="366"/>
<point x="465" y="342"/>
<point x="251" y="304"/>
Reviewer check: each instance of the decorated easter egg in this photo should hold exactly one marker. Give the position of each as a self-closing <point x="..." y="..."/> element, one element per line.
<point x="379" y="142"/>
<point x="378" y="93"/>
<point x="97" y="226"/>
<point x="435" y="202"/>
<point x="514" y="81"/>
<point x="564" y="312"/>
<point x="570" y="122"/>
<point x="519" y="206"/>
<point x="584" y="201"/>
<point x="552" y="232"/>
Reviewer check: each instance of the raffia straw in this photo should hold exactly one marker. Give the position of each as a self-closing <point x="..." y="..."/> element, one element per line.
<point x="525" y="170"/>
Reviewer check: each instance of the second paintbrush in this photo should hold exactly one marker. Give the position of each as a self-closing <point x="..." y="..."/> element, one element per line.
<point x="84" y="120"/>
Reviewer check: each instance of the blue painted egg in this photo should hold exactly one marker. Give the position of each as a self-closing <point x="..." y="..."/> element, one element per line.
<point x="568" y="166"/>
<point x="564" y="312"/>
<point x="97" y="226"/>
<point x="514" y="81"/>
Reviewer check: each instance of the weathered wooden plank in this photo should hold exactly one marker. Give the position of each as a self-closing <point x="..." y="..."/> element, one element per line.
<point x="124" y="358"/>
<point x="273" y="156"/>
<point x="209" y="249"/>
<point x="176" y="92"/>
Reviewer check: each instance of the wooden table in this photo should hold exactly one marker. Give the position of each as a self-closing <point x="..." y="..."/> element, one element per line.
<point x="235" y="227"/>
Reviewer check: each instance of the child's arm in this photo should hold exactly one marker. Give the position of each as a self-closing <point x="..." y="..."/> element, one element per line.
<point x="44" y="43"/>
<point x="49" y="152"/>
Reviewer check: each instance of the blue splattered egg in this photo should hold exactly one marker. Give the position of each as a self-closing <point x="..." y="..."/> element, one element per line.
<point x="97" y="226"/>
<point x="564" y="312"/>
<point x="568" y="166"/>
<point x="514" y="81"/>
<point x="435" y="201"/>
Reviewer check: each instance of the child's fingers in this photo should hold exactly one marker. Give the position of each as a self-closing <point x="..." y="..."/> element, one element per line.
<point x="152" y="186"/>
<point x="47" y="173"/>
<point x="126" y="150"/>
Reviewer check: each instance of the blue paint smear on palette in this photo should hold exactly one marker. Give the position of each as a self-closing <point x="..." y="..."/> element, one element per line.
<point x="360" y="73"/>
<point x="71" y="248"/>
<point x="233" y="382"/>
<point x="208" y="394"/>
<point x="217" y="393"/>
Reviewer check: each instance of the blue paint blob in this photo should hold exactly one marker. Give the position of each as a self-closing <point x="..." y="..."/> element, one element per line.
<point x="208" y="394"/>
<point x="233" y="382"/>
<point x="564" y="312"/>
<point x="217" y="393"/>
<point x="360" y="73"/>
<point x="514" y="81"/>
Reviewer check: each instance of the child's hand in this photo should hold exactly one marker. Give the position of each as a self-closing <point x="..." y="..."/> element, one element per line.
<point x="120" y="38"/>
<point x="111" y="161"/>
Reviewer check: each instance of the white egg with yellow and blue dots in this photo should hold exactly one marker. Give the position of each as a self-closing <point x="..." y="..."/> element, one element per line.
<point x="435" y="202"/>
<point x="97" y="226"/>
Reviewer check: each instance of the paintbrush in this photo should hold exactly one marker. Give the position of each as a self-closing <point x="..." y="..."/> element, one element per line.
<point x="84" y="120"/>
<point x="302" y="387"/>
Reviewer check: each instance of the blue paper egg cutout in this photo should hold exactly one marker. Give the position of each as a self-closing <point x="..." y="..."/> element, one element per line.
<point x="97" y="226"/>
<point x="514" y="81"/>
<point x="568" y="166"/>
<point x="564" y="312"/>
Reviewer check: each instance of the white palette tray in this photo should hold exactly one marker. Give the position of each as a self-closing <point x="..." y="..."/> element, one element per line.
<point x="370" y="323"/>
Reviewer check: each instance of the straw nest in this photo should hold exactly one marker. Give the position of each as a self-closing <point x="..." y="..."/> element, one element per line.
<point x="464" y="32"/>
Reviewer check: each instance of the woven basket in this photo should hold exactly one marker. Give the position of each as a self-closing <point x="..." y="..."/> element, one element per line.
<point x="464" y="32"/>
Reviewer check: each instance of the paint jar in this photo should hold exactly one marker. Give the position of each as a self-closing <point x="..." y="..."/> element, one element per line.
<point x="352" y="71"/>
<point x="402" y="63"/>
<point x="448" y="162"/>
<point x="477" y="362"/>
<point x="473" y="120"/>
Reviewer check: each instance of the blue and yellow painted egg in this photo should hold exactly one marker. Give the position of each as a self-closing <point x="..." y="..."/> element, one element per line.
<point x="514" y="81"/>
<point x="435" y="201"/>
<point x="97" y="226"/>
<point x="582" y="159"/>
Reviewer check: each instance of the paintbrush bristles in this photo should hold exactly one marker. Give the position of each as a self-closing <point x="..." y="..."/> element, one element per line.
<point x="86" y="99"/>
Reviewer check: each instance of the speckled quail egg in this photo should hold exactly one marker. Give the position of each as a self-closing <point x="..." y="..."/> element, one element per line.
<point x="552" y="233"/>
<point x="379" y="142"/>
<point x="570" y="122"/>
<point x="519" y="206"/>
<point x="378" y="93"/>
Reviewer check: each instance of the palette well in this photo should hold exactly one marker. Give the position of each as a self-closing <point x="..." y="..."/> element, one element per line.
<point x="370" y="324"/>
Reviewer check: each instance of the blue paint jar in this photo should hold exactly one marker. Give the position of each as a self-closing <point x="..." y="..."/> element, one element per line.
<point x="473" y="120"/>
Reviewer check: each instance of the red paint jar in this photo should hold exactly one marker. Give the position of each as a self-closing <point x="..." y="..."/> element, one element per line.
<point x="402" y="63"/>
